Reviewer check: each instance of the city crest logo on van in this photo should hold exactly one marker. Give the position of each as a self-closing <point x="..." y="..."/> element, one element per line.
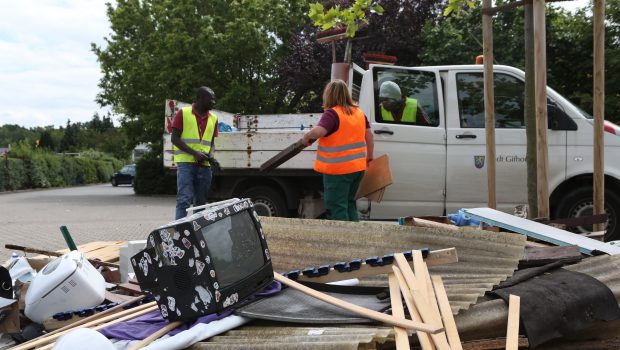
<point x="479" y="161"/>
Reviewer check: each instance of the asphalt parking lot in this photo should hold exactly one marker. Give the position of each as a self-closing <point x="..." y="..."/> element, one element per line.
<point x="91" y="213"/>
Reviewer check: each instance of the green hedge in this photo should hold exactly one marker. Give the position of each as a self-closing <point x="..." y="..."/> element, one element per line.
<point x="152" y="177"/>
<point x="12" y="175"/>
<point x="33" y="168"/>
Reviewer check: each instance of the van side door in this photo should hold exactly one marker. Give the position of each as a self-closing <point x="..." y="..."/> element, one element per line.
<point x="415" y="142"/>
<point x="467" y="162"/>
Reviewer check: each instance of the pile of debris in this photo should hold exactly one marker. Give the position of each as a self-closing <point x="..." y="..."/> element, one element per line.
<point x="367" y="285"/>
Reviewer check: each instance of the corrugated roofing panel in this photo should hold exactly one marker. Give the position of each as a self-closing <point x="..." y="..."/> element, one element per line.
<point x="485" y="258"/>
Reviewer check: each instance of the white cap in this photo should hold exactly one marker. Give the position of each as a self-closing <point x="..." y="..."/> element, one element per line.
<point x="390" y="89"/>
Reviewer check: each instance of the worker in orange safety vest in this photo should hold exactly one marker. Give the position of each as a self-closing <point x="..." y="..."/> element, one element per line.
<point x="345" y="147"/>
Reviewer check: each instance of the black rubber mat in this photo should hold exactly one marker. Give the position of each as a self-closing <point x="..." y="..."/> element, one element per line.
<point x="559" y="302"/>
<point x="291" y="305"/>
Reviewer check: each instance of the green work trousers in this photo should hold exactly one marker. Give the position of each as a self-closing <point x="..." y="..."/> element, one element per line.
<point x="339" y="193"/>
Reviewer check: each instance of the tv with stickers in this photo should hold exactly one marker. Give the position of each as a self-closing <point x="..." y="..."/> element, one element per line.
<point x="205" y="263"/>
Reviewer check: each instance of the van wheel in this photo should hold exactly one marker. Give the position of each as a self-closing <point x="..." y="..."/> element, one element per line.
<point x="580" y="202"/>
<point x="267" y="201"/>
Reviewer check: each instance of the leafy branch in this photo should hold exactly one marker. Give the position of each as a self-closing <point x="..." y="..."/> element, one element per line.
<point x="350" y="17"/>
<point x="455" y="6"/>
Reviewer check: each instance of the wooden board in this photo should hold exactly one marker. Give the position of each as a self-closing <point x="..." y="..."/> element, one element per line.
<point x="512" y="334"/>
<point x="362" y="311"/>
<point x="400" y="334"/>
<point x="538" y="256"/>
<point x="434" y="258"/>
<point x="540" y="231"/>
<point x="107" y="251"/>
<point x="283" y="156"/>
<point x="446" y="314"/>
<point x="378" y="176"/>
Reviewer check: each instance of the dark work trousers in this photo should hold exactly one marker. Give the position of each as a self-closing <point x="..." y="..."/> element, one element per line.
<point x="339" y="193"/>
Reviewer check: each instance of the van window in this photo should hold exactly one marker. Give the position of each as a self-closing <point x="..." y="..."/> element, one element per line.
<point x="405" y="97"/>
<point x="509" y="92"/>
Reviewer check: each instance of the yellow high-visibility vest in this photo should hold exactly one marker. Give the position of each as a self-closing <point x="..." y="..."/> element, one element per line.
<point x="191" y="136"/>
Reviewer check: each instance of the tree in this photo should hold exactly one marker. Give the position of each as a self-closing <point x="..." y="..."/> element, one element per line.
<point x="68" y="142"/>
<point x="167" y="49"/>
<point x="306" y="69"/>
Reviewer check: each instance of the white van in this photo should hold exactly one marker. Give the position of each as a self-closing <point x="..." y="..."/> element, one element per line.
<point x="438" y="163"/>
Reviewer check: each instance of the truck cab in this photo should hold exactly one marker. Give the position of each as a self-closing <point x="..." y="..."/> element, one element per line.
<point x="439" y="162"/>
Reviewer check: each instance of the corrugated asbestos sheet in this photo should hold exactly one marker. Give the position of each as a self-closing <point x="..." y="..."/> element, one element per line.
<point x="604" y="268"/>
<point x="307" y="338"/>
<point x="485" y="258"/>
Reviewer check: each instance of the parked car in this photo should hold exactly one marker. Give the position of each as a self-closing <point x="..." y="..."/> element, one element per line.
<point x="124" y="176"/>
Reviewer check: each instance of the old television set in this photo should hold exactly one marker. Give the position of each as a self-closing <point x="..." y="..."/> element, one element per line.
<point x="205" y="263"/>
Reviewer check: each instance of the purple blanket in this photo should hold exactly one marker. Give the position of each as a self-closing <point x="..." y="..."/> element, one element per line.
<point x="147" y="324"/>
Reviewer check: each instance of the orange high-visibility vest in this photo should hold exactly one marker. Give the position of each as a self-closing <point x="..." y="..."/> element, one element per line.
<point x="344" y="151"/>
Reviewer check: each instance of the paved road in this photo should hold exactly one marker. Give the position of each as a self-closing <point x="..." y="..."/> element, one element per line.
<point x="91" y="213"/>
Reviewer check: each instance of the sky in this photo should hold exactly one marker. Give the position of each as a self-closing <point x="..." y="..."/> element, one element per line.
<point x="48" y="73"/>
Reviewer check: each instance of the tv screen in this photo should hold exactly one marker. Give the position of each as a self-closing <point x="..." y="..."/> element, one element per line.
<point x="206" y="262"/>
<point x="235" y="247"/>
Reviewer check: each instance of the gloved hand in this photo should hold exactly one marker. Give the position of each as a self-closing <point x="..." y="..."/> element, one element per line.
<point x="215" y="165"/>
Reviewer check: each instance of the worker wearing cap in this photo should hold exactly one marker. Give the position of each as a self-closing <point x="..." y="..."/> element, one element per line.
<point x="345" y="147"/>
<point x="399" y="108"/>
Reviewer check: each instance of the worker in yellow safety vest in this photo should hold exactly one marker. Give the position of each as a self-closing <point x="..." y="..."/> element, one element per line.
<point x="345" y="147"/>
<point x="398" y="108"/>
<point x="194" y="129"/>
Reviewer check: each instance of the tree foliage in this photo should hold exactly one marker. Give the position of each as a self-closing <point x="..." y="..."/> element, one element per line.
<point x="306" y="68"/>
<point x="350" y="17"/>
<point x="99" y="134"/>
<point x="161" y="49"/>
<point x="458" y="40"/>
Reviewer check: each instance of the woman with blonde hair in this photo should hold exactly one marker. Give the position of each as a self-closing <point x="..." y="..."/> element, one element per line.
<point x="345" y="147"/>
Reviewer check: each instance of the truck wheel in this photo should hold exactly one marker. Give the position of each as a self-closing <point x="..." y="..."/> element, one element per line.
<point x="579" y="202"/>
<point x="267" y="201"/>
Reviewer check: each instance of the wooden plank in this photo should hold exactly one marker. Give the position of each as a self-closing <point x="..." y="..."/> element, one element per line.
<point x="599" y="110"/>
<point x="130" y="287"/>
<point x="512" y="334"/>
<point x="538" y="256"/>
<point x="46" y="339"/>
<point x="424" y="338"/>
<point x="446" y="314"/>
<point x="106" y="251"/>
<point x="50" y="253"/>
<point x="580" y="221"/>
<point x="167" y="328"/>
<point x="362" y="311"/>
<point x="489" y="103"/>
<point x="401" y="337"/>
<point x="434" y="258"/>
<point x="424" y="278"/>
<point x="421" y="302"/>
<point x="542" y="232"/>
<point x="377" y="177"/>
<point x="493" y="344"/>
<point x="280" y="158"/>
<point x="540" y="82"/>
<point x="118" y="298"/>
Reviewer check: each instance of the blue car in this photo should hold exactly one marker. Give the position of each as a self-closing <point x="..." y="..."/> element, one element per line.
<point x="124" y="176"/>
